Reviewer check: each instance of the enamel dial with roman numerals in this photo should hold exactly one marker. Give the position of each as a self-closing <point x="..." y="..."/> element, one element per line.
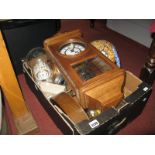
<point x="72" y="48"/>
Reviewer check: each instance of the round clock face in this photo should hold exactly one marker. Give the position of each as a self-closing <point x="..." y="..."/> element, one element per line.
<point x="72" y="48"/>
<point x="41" y="70"/>
<point x="42" y="75"/>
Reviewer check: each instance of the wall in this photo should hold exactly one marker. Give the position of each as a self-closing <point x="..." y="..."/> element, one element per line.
<point x="136" y="29"/>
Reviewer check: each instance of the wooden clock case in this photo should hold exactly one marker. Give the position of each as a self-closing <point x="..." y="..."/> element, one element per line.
<point x="99" y="92"/>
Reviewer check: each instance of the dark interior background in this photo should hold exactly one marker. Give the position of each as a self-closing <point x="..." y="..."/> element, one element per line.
<point x="22" y="35"/>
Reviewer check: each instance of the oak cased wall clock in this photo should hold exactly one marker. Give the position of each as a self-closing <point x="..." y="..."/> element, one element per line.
<point x="92" y="80"/>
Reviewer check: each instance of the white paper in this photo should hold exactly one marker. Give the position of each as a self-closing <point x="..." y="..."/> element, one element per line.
<point x="94" y="123"/>
<point x="50" y="89"/>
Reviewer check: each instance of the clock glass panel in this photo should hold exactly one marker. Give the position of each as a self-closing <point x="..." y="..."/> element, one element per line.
<point x="91" y="68"/>
<point x="72" y="48"/>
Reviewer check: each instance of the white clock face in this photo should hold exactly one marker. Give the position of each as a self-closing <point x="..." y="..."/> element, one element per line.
<point x="73" y="48"/>
<point x="42" y="75"/>
<point x="41" y="70"/>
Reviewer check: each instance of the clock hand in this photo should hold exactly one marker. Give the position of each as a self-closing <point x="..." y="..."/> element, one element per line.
<point x="71" y="47"/>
